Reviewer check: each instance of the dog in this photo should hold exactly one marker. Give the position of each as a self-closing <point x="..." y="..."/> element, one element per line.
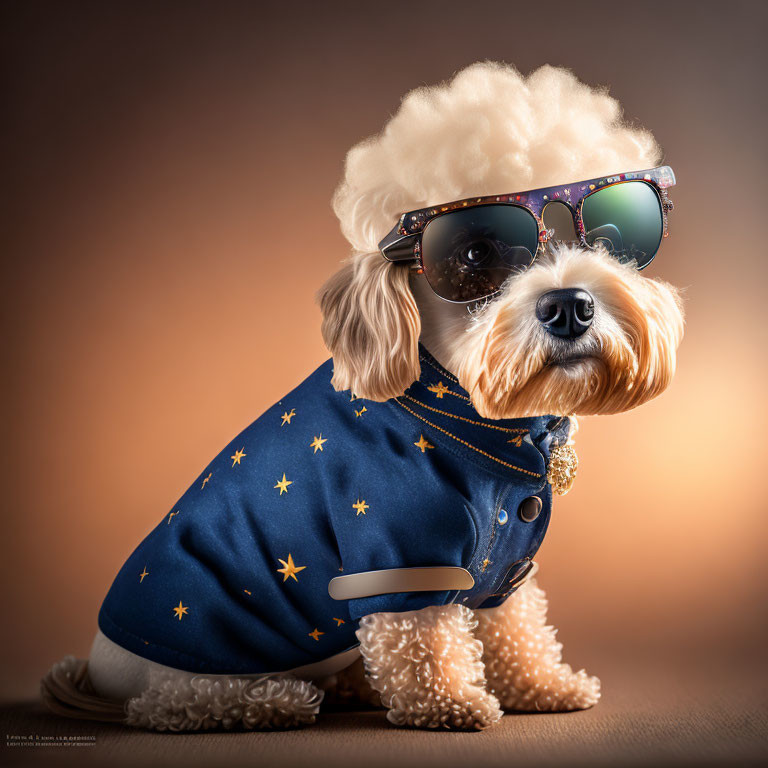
<point x="371" y="536"/>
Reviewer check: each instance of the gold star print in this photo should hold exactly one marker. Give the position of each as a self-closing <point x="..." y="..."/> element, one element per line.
<point x="486" y="563"/>
<point x="361" y="506"/>
<point x="180" y="610"/>
<point x="172" y="515"/>
<point x="283" y="485"/>
<point x="316" y="634"/>
<point x="317" y="443"/>
<point x="207" y="480"/>
<point x="439" y="389"/>
<point x="290" y="569"/>
<point x="247" y="591"/>
<point x="238" y="456"/>
<point x="423" y="444"/>
<point x="144" y="573"/>
<point x="286" y="417"/>
<point x="339" y="622"/>
<point x="360" y="412"/>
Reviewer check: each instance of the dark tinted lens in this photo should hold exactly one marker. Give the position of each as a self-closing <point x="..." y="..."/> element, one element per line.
<point x="627" y="219"/>
<point x="468" y="254"/>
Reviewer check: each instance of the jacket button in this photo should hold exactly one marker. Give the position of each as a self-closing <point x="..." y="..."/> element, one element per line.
<point x="502" y="517"/>
<point x="529" y="509"/>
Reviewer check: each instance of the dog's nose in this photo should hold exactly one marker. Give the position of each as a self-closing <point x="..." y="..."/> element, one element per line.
<point x="566" y="313"/>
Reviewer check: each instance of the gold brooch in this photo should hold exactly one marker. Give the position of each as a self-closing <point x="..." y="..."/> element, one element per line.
<point x="563" y="463"/>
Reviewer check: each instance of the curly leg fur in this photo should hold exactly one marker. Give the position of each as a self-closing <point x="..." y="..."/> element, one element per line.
<point x="426" y="665"/>
<point x="199" y="703"/>
<point x="523" y="660"/>
<point x="182" y="702"/>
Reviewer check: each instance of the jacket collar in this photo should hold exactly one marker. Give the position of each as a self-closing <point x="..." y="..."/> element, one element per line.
<point x="514" y="448"/>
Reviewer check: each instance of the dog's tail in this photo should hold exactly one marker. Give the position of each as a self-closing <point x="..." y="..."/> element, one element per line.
<point x="67" y="690"/>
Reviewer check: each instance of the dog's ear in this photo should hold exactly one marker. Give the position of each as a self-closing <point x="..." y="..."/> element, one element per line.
<point x="371" y="326"/>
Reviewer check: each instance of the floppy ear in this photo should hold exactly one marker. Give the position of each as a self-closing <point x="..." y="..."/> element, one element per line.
<point x="371" y="325"/>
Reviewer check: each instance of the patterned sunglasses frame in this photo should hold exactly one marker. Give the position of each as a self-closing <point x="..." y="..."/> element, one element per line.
<point x="403" y="243"/>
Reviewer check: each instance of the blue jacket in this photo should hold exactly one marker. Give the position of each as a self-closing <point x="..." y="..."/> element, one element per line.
<point x="235" y="578"/>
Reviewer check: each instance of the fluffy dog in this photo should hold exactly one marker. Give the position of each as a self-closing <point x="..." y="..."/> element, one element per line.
<point x="401" y="549"/>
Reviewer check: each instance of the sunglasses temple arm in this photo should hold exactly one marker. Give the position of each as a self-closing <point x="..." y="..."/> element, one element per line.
<point x="398" y="247"/>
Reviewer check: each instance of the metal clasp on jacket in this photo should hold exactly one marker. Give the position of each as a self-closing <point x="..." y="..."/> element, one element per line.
<point x="428" y="579"/>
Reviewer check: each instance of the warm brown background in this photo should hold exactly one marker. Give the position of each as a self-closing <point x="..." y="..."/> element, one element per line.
<point x="168" y="223"/>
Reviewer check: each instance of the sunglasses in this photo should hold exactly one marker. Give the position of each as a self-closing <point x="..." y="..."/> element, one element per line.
<point x="468" y="248"/>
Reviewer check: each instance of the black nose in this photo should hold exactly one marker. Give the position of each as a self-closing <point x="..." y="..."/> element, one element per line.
<point x="566" y="313"/>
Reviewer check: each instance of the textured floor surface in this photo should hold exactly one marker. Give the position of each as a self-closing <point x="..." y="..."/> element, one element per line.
<point x="680" y="715"/>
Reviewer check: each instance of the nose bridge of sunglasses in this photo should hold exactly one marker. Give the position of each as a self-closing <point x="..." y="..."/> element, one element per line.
<point x="558" y="219"/>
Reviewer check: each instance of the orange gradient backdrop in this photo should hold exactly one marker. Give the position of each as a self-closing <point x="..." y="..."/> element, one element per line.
<point x="168" y="224"/>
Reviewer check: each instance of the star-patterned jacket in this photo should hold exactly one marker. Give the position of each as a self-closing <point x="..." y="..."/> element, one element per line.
<point x="235" y="579"/>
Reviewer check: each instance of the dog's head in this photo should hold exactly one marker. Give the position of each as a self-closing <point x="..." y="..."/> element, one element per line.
<point x="491" y="131"/>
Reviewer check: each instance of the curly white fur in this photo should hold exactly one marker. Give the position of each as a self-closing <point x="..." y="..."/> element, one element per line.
<point x="176" y="701"/>
<point x="523" y="660"/>
<point x="487" y="131"/>
<point x="426" y="665"/>
<point x="179" y="704"/>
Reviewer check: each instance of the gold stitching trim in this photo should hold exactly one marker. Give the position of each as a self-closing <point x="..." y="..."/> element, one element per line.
<point x="447" y="375"/>
<point x="458" y="394"/>
<point x="464" y="442"/>
<point x="516" y="430"/>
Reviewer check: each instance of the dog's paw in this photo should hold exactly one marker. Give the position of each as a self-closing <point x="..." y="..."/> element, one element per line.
<point x="477" y="710"/>
<point x="176" y="703"/>
<point x="523" y="660"/>
<point x="558" y="689"/>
